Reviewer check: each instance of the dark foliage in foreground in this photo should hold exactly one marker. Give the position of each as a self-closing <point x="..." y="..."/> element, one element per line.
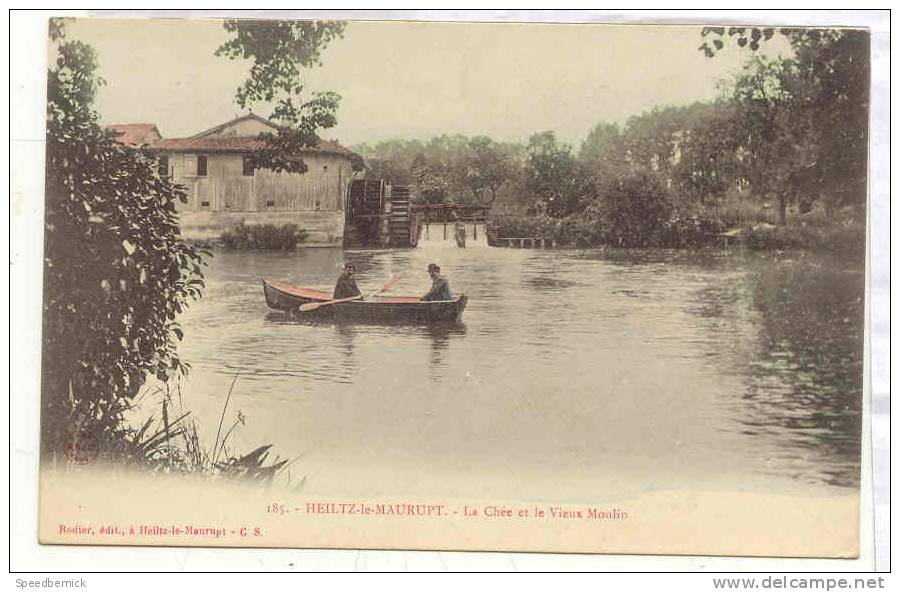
<point x="116" y="275"/>
<point x="116" y="272"/>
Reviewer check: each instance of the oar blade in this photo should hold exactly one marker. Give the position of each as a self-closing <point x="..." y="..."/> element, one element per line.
<point x="388" y="285"/>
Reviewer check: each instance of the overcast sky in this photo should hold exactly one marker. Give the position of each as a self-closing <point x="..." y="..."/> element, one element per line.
<point x="417" y="80"/>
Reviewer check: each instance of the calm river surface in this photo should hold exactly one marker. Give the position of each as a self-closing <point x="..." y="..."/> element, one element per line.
<point x="574" y="374"/>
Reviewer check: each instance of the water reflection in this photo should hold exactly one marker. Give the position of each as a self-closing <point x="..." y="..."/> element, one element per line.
<point x="440" y="336"/>
<point x="805" y="386"/>
<point x="346" y="334"/>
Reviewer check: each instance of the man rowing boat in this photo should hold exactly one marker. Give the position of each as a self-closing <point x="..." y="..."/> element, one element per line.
<point x="346" y="286"/>
<point x="440" y="287"/>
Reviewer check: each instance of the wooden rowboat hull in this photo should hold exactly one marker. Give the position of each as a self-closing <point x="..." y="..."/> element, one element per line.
<point x="396" y="309"/>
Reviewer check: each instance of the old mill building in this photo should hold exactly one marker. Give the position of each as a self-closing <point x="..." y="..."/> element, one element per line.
<point x="225" y="188"/>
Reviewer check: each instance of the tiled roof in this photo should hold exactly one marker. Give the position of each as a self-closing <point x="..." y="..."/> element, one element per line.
<point x="135" y="134"/>
<point x="237" y="144"/>
<point x="210" y="144"/>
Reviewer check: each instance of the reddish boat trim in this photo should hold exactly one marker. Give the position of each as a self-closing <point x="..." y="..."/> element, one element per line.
<point x="298" y="291"/>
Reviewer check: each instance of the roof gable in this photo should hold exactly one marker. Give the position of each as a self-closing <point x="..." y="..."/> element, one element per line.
<point x="250" y="125"/>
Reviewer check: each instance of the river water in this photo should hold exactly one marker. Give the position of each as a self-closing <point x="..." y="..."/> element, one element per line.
<point x="574" y="374"/>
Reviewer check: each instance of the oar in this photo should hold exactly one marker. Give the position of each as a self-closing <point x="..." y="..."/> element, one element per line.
<point x="316" y="305"/>
<point x="388" y="285"/>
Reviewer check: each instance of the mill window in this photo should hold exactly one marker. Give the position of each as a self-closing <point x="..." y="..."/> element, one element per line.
<point x="202" y="165"/>
<point x="249" y="166"/>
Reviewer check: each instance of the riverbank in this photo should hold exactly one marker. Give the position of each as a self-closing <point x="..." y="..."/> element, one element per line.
<point x="841" y="236"/>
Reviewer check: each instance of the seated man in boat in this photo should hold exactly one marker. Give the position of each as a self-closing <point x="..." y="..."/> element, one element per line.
<point x="346" y="286"/>
<point x="440" y="287"/>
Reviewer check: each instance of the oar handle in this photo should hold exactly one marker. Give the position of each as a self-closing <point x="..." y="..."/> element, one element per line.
<point x="314" y="305"/>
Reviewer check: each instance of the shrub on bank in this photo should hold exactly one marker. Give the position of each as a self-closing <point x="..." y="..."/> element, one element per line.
<point x="521" y="224"/>
<point x="681" y="231"/>
<point x="635" y="210"/>
<point x="845" y="239"/>
<point x="632" y="208"/>
<point x="263" y="237"/>
<point x="578" y="231"/>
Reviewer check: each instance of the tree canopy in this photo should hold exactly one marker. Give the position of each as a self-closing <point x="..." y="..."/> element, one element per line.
<point x="279" y="52"/>
<point x="788" y="130"/>
<point x="806" y="115"/>
<point x="446" y="167"/>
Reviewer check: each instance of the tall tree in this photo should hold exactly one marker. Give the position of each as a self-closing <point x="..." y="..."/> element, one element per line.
<point x="554" y="176"/>
<point x="602" y="148"/>
<point x="391" y="160"/>
<point x="651" y="139"/>
<point x="826" y="85"/>
<point x="116" y="272"/>
<point x="280" y="50"/>
<point x="775" y="130"/>
<point x="706" y="163"/>
<point x="488" y="166"/>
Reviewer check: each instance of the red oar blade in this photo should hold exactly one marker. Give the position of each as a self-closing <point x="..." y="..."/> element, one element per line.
<point x="389" y="285"/>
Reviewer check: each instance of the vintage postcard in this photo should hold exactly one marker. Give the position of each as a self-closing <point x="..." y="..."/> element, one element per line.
<point x="440" y="285"/>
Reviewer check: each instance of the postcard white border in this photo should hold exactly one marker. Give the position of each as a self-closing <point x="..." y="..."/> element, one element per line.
<point x="27" y="89"/>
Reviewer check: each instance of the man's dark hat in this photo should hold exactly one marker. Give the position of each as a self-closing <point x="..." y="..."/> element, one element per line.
<point x="433" y="267"/>
<point x="349" y="266"/>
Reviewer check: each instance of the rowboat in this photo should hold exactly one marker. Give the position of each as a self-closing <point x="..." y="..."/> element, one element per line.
<point x="405" y="309"/>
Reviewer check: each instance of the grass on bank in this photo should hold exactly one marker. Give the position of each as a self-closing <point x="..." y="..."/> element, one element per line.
<point x="168" y="441"/>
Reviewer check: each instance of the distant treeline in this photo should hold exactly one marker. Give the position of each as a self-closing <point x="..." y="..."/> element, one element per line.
<point x="785" y="143"/>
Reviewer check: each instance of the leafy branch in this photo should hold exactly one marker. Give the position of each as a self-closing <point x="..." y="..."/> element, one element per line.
<point x="280" y="51"/>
